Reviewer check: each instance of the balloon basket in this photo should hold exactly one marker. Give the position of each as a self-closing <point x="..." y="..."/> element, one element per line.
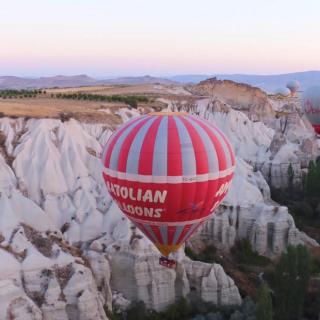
<point x="168" y="263"/>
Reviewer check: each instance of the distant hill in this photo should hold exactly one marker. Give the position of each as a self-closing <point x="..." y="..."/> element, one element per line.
<point x="266" y="82"/>
<point x="11" y="82"/>
<point x="8" y="82"/>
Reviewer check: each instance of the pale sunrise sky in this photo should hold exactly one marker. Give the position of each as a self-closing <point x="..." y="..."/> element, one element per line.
<point x="108" y="38"/>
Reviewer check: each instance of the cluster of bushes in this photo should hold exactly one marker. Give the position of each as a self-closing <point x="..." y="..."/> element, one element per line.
<point x="243" y="253"/>
<point x="207" y="255"/>
<point x="10" y="94"/>
<point x="185" y="310"/>
<point x="131" y="100"/>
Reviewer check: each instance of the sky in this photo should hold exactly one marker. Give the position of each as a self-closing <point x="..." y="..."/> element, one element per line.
<point x="109" y="38"/>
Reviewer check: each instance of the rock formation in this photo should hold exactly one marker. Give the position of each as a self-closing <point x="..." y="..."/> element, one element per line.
<point x="269" y="227"/>
<point x="250" y="100"/>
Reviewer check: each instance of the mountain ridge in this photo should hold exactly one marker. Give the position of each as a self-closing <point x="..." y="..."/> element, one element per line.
<point x="266" y="82"/>
<point x="269" y="83"/>
<point x="14" y="82"/>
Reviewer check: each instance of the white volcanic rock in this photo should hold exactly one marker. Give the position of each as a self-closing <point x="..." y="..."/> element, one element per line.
<point x="37" y="269"/>
<point x="101" y="270"/>
<point x="119" y="302"/>
<point x="210" y="282"/>
<point x="147" y="280"/>
<point x="40" y="287"/>
<point x="13" y="129"/>
<point x="158" y="287"/>
<point x="15" y="304"/>
<point x="63" y="159"/>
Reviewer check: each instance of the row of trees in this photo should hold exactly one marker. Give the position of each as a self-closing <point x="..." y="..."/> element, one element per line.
<point x="131" y="100"/>
<point x="12" y="93"/>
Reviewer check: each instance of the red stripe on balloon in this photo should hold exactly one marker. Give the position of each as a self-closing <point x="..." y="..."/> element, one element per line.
<point x="147" y="148"/>
<point x="200" y="151"/>
<point x="216" y="143"/>
<point x="193" y="231"/>
<point x="174" y="149"/>
<point x="115" y="138"/>
<point x="125" y="148"/>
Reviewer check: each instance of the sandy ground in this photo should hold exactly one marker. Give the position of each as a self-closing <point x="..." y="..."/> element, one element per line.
<point x="47" y="107"/>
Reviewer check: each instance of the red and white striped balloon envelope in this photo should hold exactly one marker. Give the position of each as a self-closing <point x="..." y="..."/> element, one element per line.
<point x="168" y="171"/>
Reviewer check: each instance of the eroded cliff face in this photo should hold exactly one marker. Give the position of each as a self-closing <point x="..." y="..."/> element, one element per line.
<point x="138" y="276"/>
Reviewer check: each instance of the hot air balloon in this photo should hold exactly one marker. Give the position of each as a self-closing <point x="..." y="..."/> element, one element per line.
<point x="293" y="86"/>
<point x="167" y="172"/>
<point x="311" y="106"/>
<point x="284" y="92"/>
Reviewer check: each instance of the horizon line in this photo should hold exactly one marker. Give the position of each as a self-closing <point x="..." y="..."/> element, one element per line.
<point x="209" y="74"/>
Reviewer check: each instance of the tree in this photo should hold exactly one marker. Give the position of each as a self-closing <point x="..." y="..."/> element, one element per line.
<point x="264" y="303"/>
<point x="290" y="179"/>
<point x="291" y="282"/>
